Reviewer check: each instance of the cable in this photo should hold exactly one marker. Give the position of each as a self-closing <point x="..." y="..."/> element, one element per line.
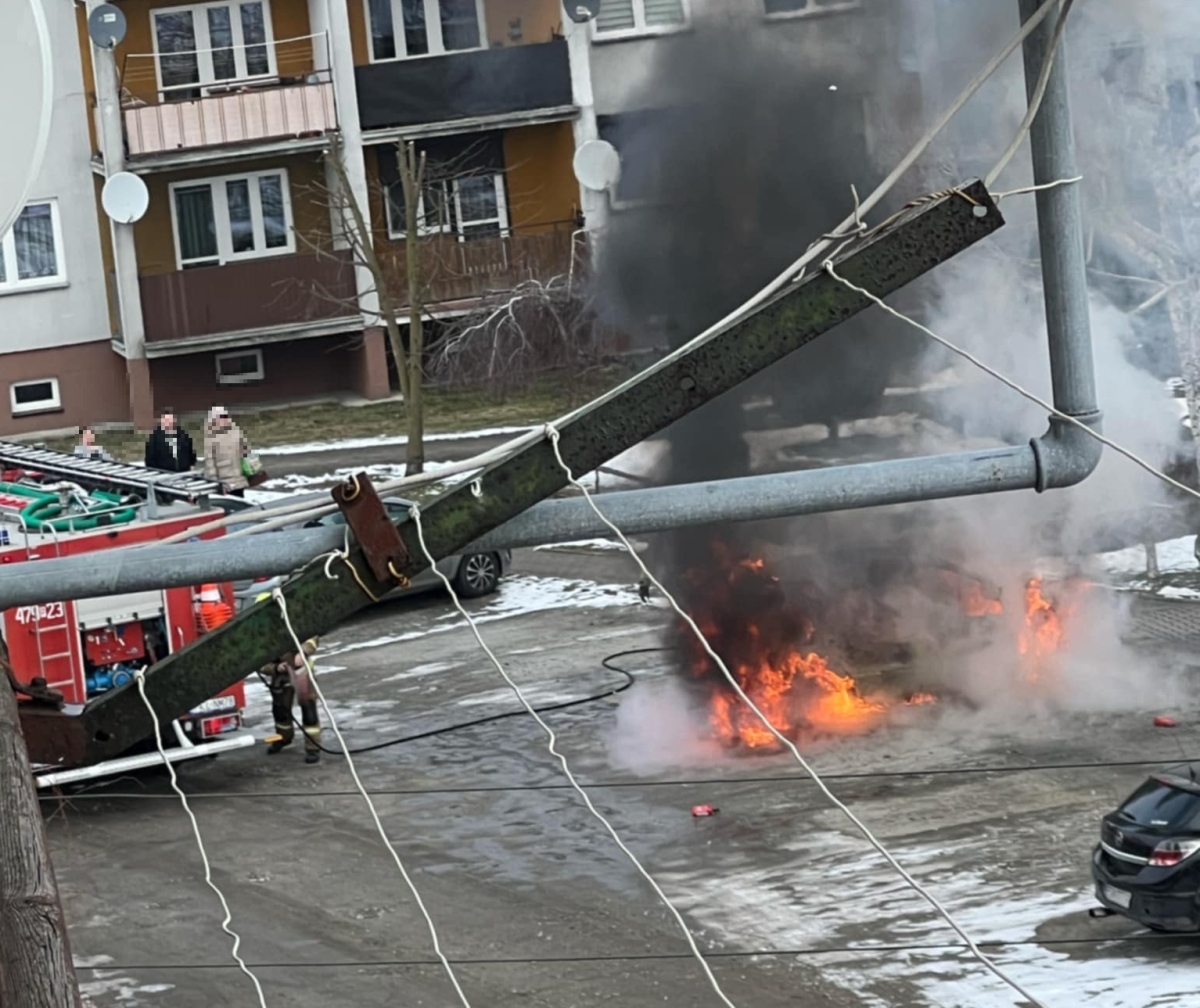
<point x="848" y="228"/>
<point x="437" y="947"/>
<point x="140" y="678"/>
<point x="1039" y="93"/>
<point x="552" y="742"/>
<point x="566" y="704"/>
<point x="1145" y="937"/>
<point x="1020" y="390"/>
<point x="784" y="740"/>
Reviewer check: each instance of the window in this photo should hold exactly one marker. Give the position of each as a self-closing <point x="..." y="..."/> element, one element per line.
<point x="234" y="217"/>
<point x="473" y="206"/>
<point x="38" y="396"/>
<point x="404" y="28"/>
<point x="239" y="367"/>
<point x="29" y="253"/>
<point x="207" y="44"/>
<point x="808" y="8"/>
<point x="640" y="16"/>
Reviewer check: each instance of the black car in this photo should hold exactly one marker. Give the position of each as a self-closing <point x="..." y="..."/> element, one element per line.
<point x="1145" y="865"/>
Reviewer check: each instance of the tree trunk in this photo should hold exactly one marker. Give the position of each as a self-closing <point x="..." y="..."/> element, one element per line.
<point x="36" y="970"/>
<point x="412" y="175"/>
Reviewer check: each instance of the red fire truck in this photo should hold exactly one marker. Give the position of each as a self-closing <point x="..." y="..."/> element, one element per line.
<point x="53" y="505"/>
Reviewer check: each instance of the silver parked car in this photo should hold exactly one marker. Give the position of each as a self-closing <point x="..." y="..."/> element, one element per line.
<point x="471" y="574"/>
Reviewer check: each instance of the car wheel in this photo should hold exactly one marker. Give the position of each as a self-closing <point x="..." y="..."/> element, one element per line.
<point x="478" y="574"/>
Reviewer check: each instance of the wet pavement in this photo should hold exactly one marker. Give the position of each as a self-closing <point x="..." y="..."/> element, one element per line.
<point x="994" y="809"/>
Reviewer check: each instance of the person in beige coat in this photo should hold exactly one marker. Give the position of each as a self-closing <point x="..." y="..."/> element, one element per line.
<point x="224" y="448"/>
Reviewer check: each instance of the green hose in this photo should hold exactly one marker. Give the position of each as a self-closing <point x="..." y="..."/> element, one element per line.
<point x="39" y="513"/>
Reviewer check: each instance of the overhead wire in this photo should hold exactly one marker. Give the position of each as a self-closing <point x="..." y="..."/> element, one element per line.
<point x="227" y="922"/>
<point x="412" y="888"/>
<point x="850" y="227"/>
<point x="551" y="746"/>
<point x="786" y="742"/>
<point x="1019" y="389"/>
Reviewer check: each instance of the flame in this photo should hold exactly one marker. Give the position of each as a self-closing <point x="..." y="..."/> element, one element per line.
<point x="764" y="641"/>
<point x="976" y="603"/>
<point x="920" y="699"/>
<point x="1042" y="632"/>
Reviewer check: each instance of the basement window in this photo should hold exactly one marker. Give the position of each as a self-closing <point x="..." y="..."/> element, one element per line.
<point x="240" y="367"/>
<point x="37" y="396"/>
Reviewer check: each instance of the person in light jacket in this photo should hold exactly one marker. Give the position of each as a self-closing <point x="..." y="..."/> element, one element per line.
<point x="224" y="448"/>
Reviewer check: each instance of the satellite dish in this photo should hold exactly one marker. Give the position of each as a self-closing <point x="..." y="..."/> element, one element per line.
<point x="125" y="197"/>
<point x="107" y="26"/>
<point x="597" y="165"/>
<point x="27" y="70"/>
<point x="581" y="11"/>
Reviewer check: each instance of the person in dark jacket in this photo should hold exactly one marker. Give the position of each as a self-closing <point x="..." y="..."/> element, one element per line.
<point x="169" y="448"/>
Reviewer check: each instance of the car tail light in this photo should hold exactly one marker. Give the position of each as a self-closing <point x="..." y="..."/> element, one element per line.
<point x="219" y="725"/>
<point x="1172" y="852"/>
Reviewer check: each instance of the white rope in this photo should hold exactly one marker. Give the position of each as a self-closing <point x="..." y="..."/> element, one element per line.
<point x="552" y="743"/>
<point x="998" y="197"/>
<point x="848" y="228"/>
<point x="140" y="677"/>
<point x="312" y="676"/>
<point x="1020" y="390"/>
<point x="784" y="740"/>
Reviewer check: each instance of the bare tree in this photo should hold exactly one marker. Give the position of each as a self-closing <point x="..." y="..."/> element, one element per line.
<point x="516" y="337"/>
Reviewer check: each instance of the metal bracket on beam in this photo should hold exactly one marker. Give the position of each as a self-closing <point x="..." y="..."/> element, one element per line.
<point x="379" y="539"/>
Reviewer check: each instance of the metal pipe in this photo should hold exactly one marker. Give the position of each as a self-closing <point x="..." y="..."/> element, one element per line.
<point x="1062" y="457"/>
<point x="636" y="512"/>
<point x="1066" y="455"/>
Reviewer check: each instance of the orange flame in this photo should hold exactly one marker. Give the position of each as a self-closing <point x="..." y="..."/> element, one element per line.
<point x="976" y="603"/>
<point x="1042" y="632"/>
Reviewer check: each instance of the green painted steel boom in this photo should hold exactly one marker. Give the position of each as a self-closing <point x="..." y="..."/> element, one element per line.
<point x="908" y="246"/>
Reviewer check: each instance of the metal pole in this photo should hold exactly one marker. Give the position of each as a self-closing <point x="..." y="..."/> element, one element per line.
<point x="1060" y="227"/>
<point x="635" y="512"/>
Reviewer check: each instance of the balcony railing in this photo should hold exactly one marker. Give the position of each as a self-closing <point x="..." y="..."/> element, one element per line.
<point x="461" y="85"/>
<point x="457" y="273"/>
<point x="275" y="95"/>
<point x="256" y="294"/>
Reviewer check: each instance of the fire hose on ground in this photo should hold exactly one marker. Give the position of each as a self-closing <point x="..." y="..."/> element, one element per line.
<point x="628" y="681"/>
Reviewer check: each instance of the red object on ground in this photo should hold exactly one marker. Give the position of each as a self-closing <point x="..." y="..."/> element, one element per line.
<point x="1162" y="721"/>
<point x="699" y="811"/>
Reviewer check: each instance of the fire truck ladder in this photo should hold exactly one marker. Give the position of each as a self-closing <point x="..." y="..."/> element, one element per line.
<point x="40" y="631"/>
<point x="98" y="474"/>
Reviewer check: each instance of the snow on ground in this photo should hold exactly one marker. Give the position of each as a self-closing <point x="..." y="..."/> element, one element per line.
<point x="1173" y="555"/>
<point x="379" y="472"/>
<point x="518" y="595"/>
<point x="348" y="444"/>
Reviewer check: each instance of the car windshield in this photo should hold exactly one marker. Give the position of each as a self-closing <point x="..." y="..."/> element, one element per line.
<point x="1161" y="806"/>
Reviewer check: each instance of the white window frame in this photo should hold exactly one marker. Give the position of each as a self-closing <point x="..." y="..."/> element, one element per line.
<point x="501" y="217"/>
<point x="12" y="284"/>
<point x="42" y="405"/>
<point x="240" y="379"/>
<point x="433" y="32"/>
<point x="204" y="47"/>
<point x="640" y="29"/>
<point x="814" y="9"/>
<point x="455" y="226"/>
<point x="225" y="253"/>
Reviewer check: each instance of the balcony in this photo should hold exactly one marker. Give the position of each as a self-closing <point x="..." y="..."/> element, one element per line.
<point x="255" y="96"/>
<point x="479" y="84"/>
<point x="289" y="294"/>
<point x="457" y="274"/>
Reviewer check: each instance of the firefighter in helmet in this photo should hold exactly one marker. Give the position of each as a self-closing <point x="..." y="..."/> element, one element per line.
<point x="289" y="682"/>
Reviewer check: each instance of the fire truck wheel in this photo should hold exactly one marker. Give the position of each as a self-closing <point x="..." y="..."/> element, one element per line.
<point x="478" y="574"/>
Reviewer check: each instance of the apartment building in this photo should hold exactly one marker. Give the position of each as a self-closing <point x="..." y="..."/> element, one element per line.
<point x="246" y="117"/>
<point x="240" y="283"/>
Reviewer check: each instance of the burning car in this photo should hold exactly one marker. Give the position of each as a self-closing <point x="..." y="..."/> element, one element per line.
<point x="1145" y="866"/>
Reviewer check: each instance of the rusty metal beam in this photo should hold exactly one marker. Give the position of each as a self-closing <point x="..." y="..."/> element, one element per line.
<point x="910" y="245"/>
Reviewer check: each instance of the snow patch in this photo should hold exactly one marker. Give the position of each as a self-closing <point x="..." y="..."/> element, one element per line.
<point x="1173" y="555"/>
<point x="348" y="444"/>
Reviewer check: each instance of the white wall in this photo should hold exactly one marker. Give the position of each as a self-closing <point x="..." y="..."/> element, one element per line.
<point x="78" y="311"/>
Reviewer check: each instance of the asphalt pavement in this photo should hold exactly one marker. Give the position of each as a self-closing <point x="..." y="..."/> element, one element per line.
<point x="994" y="808"/>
